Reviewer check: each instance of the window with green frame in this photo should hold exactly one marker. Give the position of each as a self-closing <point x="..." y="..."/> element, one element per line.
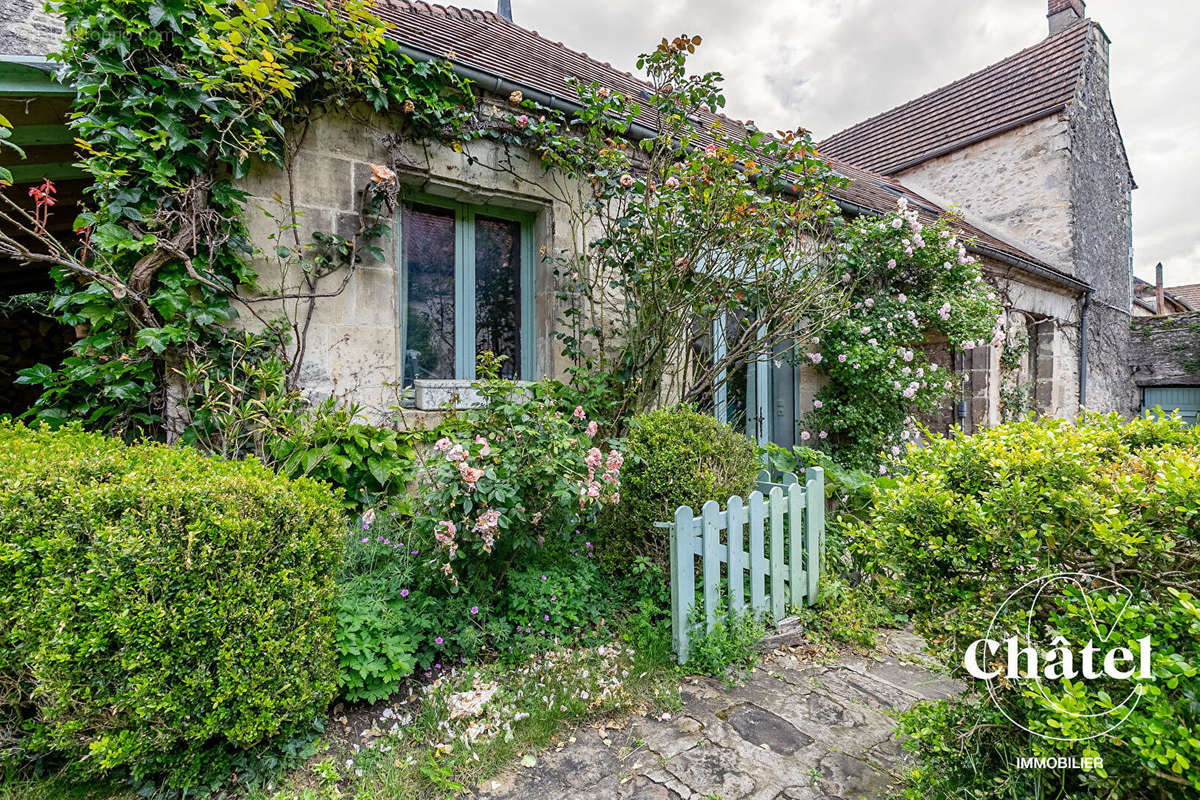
<point x="466" y="286"/>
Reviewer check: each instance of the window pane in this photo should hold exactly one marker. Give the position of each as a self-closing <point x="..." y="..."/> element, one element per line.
<point x="498" y="291"/>
<point x="429" y="263"/>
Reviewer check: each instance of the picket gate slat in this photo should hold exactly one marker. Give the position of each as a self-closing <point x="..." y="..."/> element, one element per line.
<point x="784" y="531"/>
<point x="778" y="597"/>
<point x="814" y="529"/>
<point x="797" y="581"/>
<point x="758" y="558"/>
<point x="736" y="563"/>
<point x="710" y="515"/>
<point x="683" y="579"/>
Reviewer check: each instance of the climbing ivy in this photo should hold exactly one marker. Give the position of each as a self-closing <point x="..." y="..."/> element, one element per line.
<point x="176" y="100"/>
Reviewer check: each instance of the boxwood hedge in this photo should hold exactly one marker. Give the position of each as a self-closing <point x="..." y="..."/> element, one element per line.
<point x="164" y="611"/>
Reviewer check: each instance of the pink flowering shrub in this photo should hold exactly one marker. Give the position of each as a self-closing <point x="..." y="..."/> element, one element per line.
<point x="911" y="283"/>
<point x="505" y="480"/>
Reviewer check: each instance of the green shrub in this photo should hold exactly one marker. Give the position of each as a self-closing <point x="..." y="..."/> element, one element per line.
<point x="396" y="614"/>
<point x="971" y="520"/>
<point x="547" y="607"/>
<point x="673" y="457"/>
<point x="730" y="649"/>
<point x="164" y="611"/>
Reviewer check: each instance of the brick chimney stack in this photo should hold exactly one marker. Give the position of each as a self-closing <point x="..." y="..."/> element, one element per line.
<point x="1065" y="13"/>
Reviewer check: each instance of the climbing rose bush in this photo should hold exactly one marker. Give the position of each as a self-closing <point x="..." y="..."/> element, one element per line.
<point x="911" y="284"/>
<point x="504" y="480"/>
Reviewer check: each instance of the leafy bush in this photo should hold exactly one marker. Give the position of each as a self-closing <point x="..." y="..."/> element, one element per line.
<point x="395" y="612"/>
<point x="730" y="649"/>
<point x="243" y="406"/>
<point x="676" y="457"/>
<point x="507" y="479"/>
<point x="549" y="606"/>
<point x="975" y="518"/>
<point x="164" y="611"/>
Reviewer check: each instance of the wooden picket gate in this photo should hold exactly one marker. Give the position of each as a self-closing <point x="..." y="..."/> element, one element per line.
<point x="785" y="530"/>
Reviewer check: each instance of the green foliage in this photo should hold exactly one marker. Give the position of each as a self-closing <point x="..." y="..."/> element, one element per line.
<point x="730" y="649"/>
<point x="699" y="222"/>
<point x="910" y="283"/>
<point x="973" y="518"/>
<point x="676" y="457"/>
<point x="847" y="614"/>
<point x="510" y="478"/>
<point x="242" y="406"/>
<point x="393" y="607"/>
<point x="175" y="102"/>
<point x="553" y="605"/>
<point x="166" y="611"/>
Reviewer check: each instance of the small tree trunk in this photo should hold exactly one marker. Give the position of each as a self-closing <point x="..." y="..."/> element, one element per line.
<point x="175" y="411"/>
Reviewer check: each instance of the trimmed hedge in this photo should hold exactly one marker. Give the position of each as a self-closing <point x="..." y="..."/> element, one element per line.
<point x="969" y="521"/>
<point x="164" y="611"/>
<point x="673" y="457"/>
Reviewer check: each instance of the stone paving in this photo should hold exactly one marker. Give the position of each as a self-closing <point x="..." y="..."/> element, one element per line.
<point x="794" y="730"/>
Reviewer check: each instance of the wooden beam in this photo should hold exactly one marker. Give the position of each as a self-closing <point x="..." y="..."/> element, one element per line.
<point x="35" y="173"/>
<point x="22" y="80"/>
<point x="27" y="135"/>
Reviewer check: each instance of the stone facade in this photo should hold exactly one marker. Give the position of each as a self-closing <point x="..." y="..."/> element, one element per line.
<point x="353" y="338"/>
<point x="1165" y="351"/>
<point x="1060" y="188"/>
<point x="27" y="30"/>
<point x="1102" y="230"/>
<point x="1015" y="185"/>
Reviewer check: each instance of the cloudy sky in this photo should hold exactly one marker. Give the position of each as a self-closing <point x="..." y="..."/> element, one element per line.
<point x="826" y="64"/>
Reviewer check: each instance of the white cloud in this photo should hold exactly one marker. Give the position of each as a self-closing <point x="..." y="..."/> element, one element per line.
<point x="826" y="64"/>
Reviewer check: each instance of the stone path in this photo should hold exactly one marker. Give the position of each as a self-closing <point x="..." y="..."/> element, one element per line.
<point x="792" y="731"/>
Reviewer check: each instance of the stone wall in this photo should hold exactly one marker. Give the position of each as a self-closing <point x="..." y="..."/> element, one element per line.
<point x="1165" y="351"/>
<point x="1015" y="185"/>
<point x="1102" y="234"/>
<point x="353" y="337"/>
<point x="1060" y="188"/>
<point x="27" y="30"/>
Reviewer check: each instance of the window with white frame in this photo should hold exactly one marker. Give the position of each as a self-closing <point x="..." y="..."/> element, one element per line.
<point x="466" y="286"/>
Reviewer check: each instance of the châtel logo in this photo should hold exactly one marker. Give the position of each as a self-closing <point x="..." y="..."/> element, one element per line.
<point x="1018" y="651"/>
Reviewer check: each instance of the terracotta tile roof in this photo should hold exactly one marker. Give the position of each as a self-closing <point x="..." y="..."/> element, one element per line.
<point x="1024" y="87"/>
<point x="488" y="42"/>
<point x="1188" y="293"/>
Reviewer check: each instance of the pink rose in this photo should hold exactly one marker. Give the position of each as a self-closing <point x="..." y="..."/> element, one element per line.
<point x="578" y="412"/>
<point x="592" y="428"/>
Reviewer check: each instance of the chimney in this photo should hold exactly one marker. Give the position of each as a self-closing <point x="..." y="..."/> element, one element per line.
<point x="1160" y="302"/>
<point x="1064" y="13"/>
<point x="504" y="9"/>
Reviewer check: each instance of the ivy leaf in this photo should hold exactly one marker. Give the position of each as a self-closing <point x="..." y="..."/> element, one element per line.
<point x="156" y="339"/>
<point x="39" y="374"/>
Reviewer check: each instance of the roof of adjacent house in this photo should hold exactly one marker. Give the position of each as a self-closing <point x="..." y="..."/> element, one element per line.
<point x="1034" y="83"/>
<point x="1188" y="293"/>
<point x="492" y="44"/>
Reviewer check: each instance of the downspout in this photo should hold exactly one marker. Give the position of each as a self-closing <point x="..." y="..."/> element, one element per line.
<point x="1083" y="348"/>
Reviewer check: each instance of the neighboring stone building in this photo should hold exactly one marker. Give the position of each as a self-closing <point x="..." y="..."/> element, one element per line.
<point x="1049" y="250"/>
<point x="1187" y="295"/>
<point x="1146" y="301"/>
<point x="1165" y="361"/>
<point x="1029" y="150"/>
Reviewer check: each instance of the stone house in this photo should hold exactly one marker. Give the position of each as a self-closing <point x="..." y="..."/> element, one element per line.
<point x="1029" y="150"/>
<point x="1026" y="151"/>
